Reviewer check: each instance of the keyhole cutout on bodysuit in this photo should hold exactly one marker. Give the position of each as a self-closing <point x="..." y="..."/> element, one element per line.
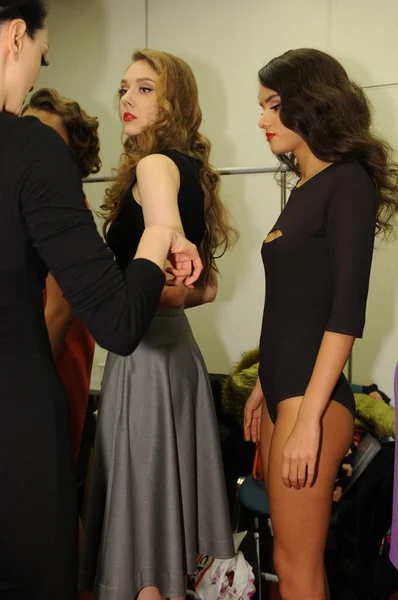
<point x="274" y="235"/>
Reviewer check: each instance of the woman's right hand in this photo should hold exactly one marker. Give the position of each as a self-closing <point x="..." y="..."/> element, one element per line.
<point x="252" y="414"/>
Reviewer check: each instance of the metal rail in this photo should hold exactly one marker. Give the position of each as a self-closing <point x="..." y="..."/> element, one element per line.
<point x="222" y="171"/>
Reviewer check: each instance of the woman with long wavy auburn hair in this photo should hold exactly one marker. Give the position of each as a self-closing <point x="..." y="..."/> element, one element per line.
<point x="46" y="226"/>
<point x="158" y="496"/>
<point x="317" y="261"/>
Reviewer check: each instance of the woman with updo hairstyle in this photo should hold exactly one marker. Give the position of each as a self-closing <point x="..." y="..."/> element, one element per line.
<point x="46" y="226"/>
<point x="317" y="259"/>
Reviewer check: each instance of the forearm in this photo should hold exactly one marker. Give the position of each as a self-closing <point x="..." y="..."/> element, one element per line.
<point x="58" y="315"/>
<point x="155" y="245"/>
<point x="332" y="357"/>
<point x="205" y="291"/>
<point x="176" y="296"/>
<point x="199" y="295"/>
<point x="173" y="296"/>
<point x="57" y="327"/>
<point x="258" y="390"/>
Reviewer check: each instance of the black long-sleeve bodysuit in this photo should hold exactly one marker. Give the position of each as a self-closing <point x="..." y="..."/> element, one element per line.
<point x="44" y="225"/>
<point x="317" y="277"/>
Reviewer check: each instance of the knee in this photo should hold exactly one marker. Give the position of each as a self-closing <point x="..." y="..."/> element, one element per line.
<point x="298" y="580"/>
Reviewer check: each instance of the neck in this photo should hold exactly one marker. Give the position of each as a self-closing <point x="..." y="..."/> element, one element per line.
<point x="2" y="84"/>
<point x="309" y="164"/>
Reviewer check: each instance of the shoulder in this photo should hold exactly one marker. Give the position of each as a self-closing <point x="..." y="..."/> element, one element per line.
<point x="352" y="173"/>
<point x="352" y="181"/>
<point x="39" y="142"/>
<point x="353" y="192"/>
<point x="28" y="146"/>
<point x="28" y="129"/>
<point x="156" y="164"/>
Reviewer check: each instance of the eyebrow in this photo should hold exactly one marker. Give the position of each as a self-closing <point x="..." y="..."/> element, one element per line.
<point x="271" y="97"/>
<point x="140" y="80"/>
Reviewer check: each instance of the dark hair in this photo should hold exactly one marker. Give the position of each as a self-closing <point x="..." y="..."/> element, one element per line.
<point x="332" y="115"/>
<point x="33" y="12"/>
<point x="82" y="129"/>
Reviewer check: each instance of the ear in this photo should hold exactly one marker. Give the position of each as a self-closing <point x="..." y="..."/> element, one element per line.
<point x="16" y="37"/>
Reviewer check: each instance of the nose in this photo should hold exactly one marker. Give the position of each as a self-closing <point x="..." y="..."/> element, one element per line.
<point x="264" y="121"/>
<point x="128" y="99"/>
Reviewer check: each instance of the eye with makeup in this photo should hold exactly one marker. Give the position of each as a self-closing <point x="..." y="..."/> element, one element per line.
<point x="44" y="61"/>
<point x="275" y="107"/>
<point x="145" y="90"/>
<point x="121" y="92"/>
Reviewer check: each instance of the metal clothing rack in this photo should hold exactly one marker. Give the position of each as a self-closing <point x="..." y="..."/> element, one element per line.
<point x="244" y="171"/>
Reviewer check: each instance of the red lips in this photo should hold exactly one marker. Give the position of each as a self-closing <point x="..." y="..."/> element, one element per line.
<point x="270" y="136"/>
<point x="127" y="117"/>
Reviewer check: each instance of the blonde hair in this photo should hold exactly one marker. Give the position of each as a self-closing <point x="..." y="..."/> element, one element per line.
<point x="82" y="129"/>
<point x="176" y="128"/>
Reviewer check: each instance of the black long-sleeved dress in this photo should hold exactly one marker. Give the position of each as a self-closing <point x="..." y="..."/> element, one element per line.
<point x="45" y="225"/>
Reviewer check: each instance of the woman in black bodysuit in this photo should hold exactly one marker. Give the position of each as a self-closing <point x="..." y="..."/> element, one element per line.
<point x="317" y="261"/>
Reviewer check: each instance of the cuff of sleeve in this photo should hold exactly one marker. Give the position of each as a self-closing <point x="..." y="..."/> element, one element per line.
<point x="345" y="331"/>
<point x="148" y="274"/>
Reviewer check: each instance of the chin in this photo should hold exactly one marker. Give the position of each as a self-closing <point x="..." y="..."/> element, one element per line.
<point x="281" y="150"/>
<point x="131" y="129"/>
<point x="13" y="109"/>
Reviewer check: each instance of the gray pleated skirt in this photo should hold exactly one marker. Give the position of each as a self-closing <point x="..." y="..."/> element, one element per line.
<point x="157" y="496"/>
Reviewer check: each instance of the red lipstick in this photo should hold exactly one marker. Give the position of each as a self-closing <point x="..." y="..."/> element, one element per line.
<point x="127" y="117"/>
<point x="270" y="136"/>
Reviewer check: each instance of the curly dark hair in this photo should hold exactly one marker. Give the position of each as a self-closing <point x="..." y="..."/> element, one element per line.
<point x="82" y="130"/>
<point x="33" y="12"/>
<point x="332" y="114"/>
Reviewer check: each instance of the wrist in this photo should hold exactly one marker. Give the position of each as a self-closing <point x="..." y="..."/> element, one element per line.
<point x="155" y="245"/>
<point x="258" y="392"/>
<point x="163" y="234"/>
<point x="309" y="413"/>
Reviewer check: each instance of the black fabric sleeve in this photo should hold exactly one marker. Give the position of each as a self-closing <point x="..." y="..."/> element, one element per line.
<point x="350" y="229"/>
<point x="117" y="307"/>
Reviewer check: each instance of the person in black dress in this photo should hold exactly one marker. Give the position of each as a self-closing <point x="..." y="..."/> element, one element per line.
<point x="317" y="261"/>
<point x="45" y="225"/>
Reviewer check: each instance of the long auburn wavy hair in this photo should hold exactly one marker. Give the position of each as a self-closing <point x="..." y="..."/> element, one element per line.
<point x="176" y="128"/>
<point x="82" y="129"/>
<point x="332" y="114"/>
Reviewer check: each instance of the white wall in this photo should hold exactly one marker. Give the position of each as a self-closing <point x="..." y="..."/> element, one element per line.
<point x="226" y="42"/>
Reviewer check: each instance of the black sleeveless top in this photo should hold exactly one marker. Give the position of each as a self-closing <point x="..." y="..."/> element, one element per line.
<point x="126" y="230"/>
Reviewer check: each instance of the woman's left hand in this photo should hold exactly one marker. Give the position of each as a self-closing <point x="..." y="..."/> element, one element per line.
<point x="185" y="260"/>
<point x="300" y="454"/>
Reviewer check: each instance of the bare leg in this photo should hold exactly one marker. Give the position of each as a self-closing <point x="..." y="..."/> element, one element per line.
<point x="266" y="433"/>
<point x="300" y="518"/>
<point x="152" y="593"/>
<point x="86" y="595"/>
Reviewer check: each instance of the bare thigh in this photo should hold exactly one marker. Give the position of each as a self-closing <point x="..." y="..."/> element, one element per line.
<point x="266" y="433"/>
<point x="300" y="518"/>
